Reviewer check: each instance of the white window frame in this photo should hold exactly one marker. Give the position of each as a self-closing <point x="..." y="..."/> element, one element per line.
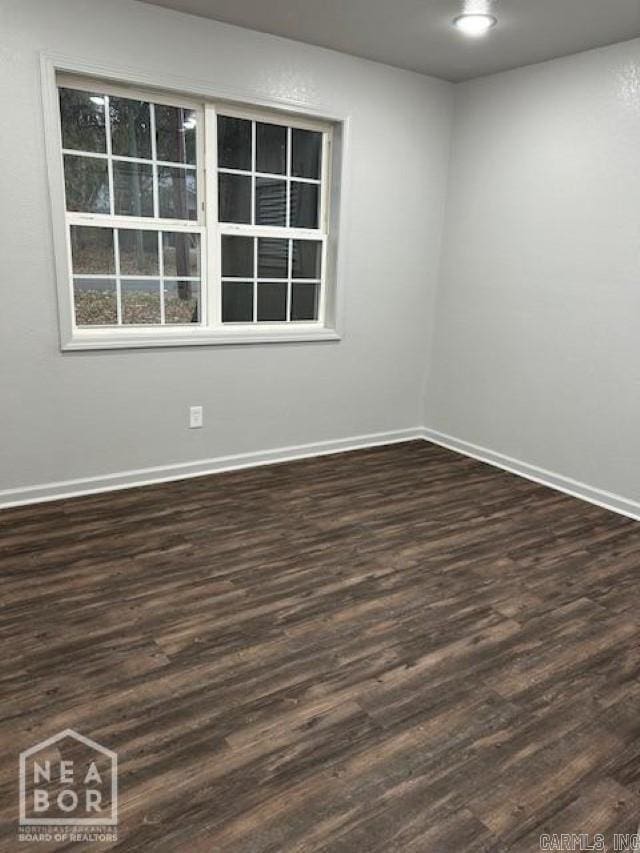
<point x="160" y="88"/>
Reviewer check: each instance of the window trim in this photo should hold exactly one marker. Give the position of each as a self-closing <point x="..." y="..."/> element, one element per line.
<point x="243" y="104"/>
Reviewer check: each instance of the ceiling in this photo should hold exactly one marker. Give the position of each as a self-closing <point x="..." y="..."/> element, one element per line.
<point x="417" y="34"/>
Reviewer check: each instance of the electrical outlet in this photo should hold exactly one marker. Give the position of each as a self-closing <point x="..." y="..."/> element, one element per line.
<point x="196" y="417"/>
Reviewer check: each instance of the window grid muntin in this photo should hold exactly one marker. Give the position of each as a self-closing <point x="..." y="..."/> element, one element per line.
<point x="116" y="250"/>
<point x="154" y="164"/>
<point x="247" y="173"/>
<point x="101" y="155"/>
<point x="107" y="130"/>
<point x="255" y="279"/>
<point x="161" y="276"/>
<point x="287" y="191"/>
<point x="253" y="183"/>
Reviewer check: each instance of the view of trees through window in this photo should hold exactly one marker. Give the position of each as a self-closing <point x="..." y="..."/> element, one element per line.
<point x="127" y="158"/>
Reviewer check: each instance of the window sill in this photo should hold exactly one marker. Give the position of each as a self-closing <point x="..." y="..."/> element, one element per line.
<point x="104" y="339"/>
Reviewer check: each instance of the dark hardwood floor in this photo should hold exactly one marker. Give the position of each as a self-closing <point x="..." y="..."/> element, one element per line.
<point x="397" y="649"/>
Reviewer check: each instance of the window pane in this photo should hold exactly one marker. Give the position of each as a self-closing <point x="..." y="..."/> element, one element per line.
<point x="92" y="250"/>
<point x="86" y="183"/>
<point x="177" y="194"/>
<point x="140" y="301"/>
<point x="175" y="134"/>
<point x="181" y="301"/>
<point x="307" y="259"/>
<point x="237" y="256"/>
<point x="138" y="252"/>
<point x="272" y="302"/>
<point x="133" y="188"/>
<point x="304" y="205"/>
<point x="82" y="120"/>
<point x="181" y="254"/>
<point x="130" y="128"/>
<point x="304" y="301"/>
<point x="273" y="257"/>
<point x="271" y="148"/>
<point x="234" y="143"/>
<point x="271" y="204"/>
<point x="95" y="301"/>
<point x="234" y="198"/>
<point x="306" y="151"/>
<point x="237" y="302"/>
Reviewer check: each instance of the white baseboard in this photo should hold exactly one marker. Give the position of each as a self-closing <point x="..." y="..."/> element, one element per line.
<point x="200" y="468"/>
<point x="607" y="500"/>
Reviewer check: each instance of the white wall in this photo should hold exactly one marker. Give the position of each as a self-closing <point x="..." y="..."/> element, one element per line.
<point x="84" y="414"/>
<point x="537" y="348"/>
<point x="533" y="347"/>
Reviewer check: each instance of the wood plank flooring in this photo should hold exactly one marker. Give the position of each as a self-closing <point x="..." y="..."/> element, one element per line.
<point x="397" y="649"/>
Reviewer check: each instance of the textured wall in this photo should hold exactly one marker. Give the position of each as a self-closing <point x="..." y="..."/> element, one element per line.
<point x="537" y="351"/>
<point x="85" y="414"/>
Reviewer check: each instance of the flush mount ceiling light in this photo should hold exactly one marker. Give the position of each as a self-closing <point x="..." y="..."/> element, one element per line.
<point x="475" y="24"/>
<point x="476" y="17"/>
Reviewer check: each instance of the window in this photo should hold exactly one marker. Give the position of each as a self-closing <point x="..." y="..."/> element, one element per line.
<point x="270" y="204"/>
<point x="135" y="227"/>
<point x="187" y="220"/>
